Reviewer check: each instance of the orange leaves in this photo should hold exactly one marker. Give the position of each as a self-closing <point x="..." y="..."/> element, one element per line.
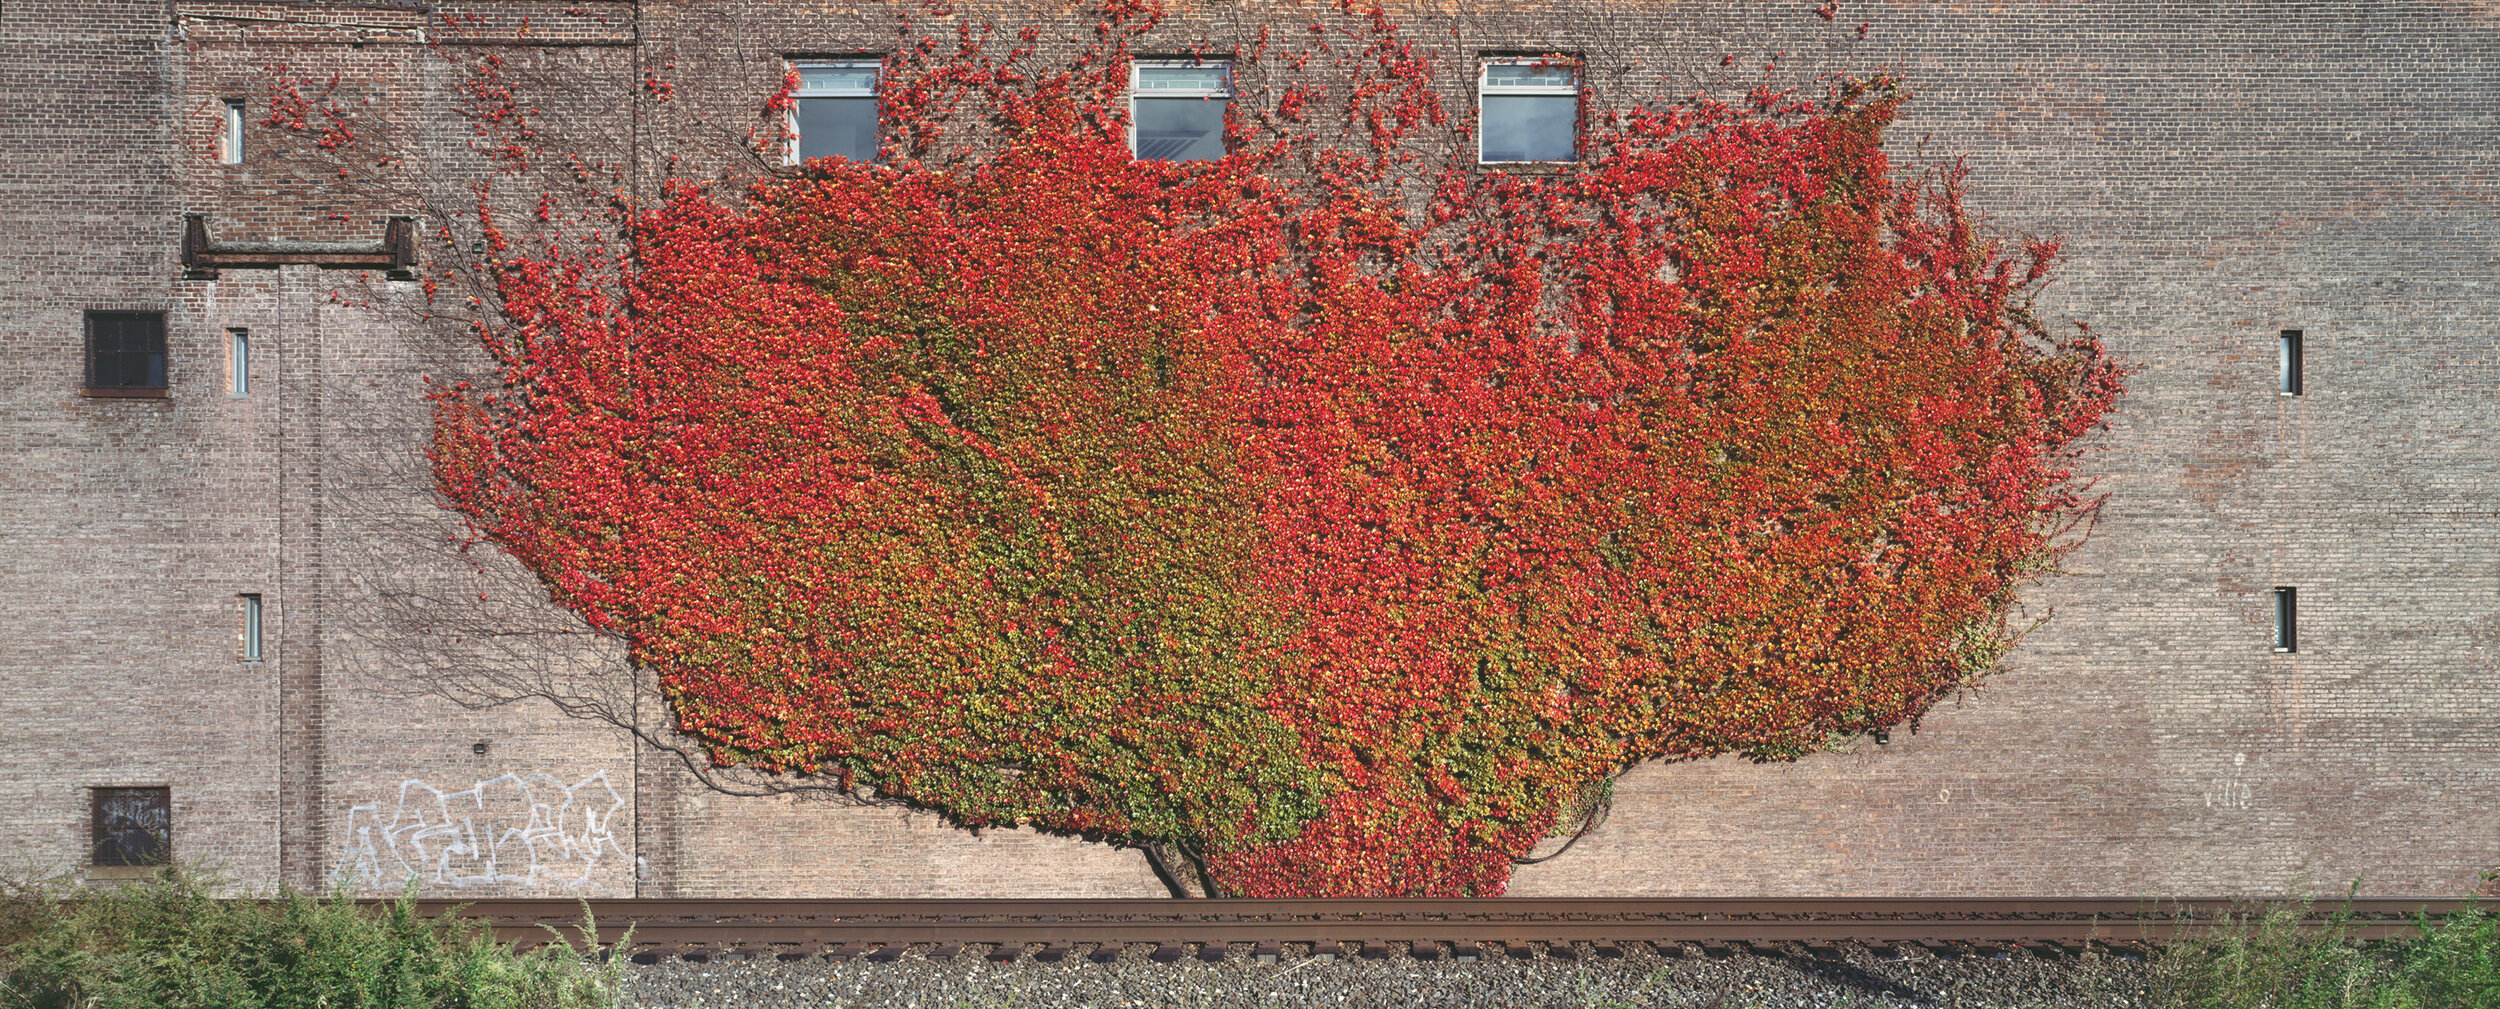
<point x="1237" y="507"/>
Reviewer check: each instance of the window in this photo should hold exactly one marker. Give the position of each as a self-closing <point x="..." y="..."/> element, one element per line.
<point x="2287" y="619"/>
<point x="133" y="826"/>
<point x="230" y="133"/>
<point x="125" y="353"/>
<point x="836" y="111"/>
<point x="1529" y="110"/>
<point x="238" y="362"/>
<point x="1176" y="109"/>
<point x="251" y="626"/>
<point x="2291" y="362"/>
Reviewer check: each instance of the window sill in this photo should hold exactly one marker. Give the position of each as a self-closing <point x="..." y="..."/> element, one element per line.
<point x="92" y="392"/>
<point x="122" y="871"/>
<point x="1528" y="167"/>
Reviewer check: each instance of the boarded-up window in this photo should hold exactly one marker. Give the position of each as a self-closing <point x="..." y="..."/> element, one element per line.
<point x="133" y="826"/>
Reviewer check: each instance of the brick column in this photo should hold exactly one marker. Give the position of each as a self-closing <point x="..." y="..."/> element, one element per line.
<point x="303" y="837"/>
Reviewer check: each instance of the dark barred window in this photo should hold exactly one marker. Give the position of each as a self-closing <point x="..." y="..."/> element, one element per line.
<point x="126" y="353"/>
<point x="133" y="826"/>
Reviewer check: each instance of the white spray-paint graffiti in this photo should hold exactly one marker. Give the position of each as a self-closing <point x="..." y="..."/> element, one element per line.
<point x="514" y="830"/>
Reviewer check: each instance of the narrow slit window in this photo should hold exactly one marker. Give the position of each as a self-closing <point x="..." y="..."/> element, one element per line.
<point x="1528" y="111"/>
<point x="133" y="826"/>
<point x="238" y="362"/>
<point x="251" y="626"/>
<point x="2291" y="362"/>
<point x="125" y="353"/>
<point x="835" y="111"/>
<point x="2286" y="619"/>
<point x="230" y="133"/>
<point x="1176" y="109"/>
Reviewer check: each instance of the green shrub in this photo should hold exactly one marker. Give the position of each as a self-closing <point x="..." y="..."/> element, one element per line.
<point x="168" y="943"/>
<point x="2271" y="960"/>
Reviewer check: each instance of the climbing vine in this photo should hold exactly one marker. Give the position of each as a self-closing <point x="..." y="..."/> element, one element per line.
<point x="1333" y="513"/>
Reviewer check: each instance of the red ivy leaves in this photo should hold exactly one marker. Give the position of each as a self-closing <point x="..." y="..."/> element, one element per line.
<point x="1233" y="506"/>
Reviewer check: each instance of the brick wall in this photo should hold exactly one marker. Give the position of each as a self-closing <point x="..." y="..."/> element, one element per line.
<point x="2221" y="173"/>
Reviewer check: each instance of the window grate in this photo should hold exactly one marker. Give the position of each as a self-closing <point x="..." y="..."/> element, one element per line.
<point x="126" y="353"/>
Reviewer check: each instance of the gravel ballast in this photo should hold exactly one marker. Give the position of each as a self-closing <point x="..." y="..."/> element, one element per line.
<point x="1637" y="978"/>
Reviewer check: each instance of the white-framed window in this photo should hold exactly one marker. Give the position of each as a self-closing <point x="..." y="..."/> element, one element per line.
<point x="238" y="362"/>
<point x="1176" y="109"/>
<point x="835" y="112"/>
<point x="251" y="626"/>
<point x="1528" y="110"/>
<point x="230" y="132"/>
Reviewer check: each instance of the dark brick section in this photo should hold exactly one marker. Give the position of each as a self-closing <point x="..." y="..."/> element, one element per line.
<point x="2221" y="173"/>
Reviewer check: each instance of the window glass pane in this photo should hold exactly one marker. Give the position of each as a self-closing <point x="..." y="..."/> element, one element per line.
<point x="251" y="628"/>
<point x="231" y="144"/>
<point x="116" y="334"/>
<point x="1204" y="79"/>
<point x="1530" y="127"/>
<point x="819" y="79"/>
<point x="1180" y="129"/>
<point x="838" y="128"/>
<point x="1550" y="77"/>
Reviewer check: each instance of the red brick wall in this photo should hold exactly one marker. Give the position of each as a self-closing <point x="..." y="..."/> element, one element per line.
<point x="2221" y="172"/>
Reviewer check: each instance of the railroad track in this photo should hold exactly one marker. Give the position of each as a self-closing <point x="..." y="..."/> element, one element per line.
<point x="1427" y="929"/>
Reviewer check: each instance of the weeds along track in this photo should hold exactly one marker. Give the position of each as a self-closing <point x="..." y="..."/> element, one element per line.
<point x="1424" y="929"/>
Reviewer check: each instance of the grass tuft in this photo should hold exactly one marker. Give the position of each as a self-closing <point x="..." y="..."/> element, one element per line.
<point x="2269" y="959"/>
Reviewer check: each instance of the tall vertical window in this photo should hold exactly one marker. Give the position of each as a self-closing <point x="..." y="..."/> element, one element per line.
<point x="2286" y="619"/>
<point x="251" y="626"/>
<point x="2290" y="355"/>
<point x="1176" y="109"/>
<point x="125" y="353"/>
<point x="836" y="111"/>
<point x="238" y="362"/>
<point x="1529" y="110"/>
<point x="230" y="132"/>
<point x="133" y="826"/>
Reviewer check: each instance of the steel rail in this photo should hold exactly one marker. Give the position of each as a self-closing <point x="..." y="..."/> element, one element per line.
<point x="841" y="928"/>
